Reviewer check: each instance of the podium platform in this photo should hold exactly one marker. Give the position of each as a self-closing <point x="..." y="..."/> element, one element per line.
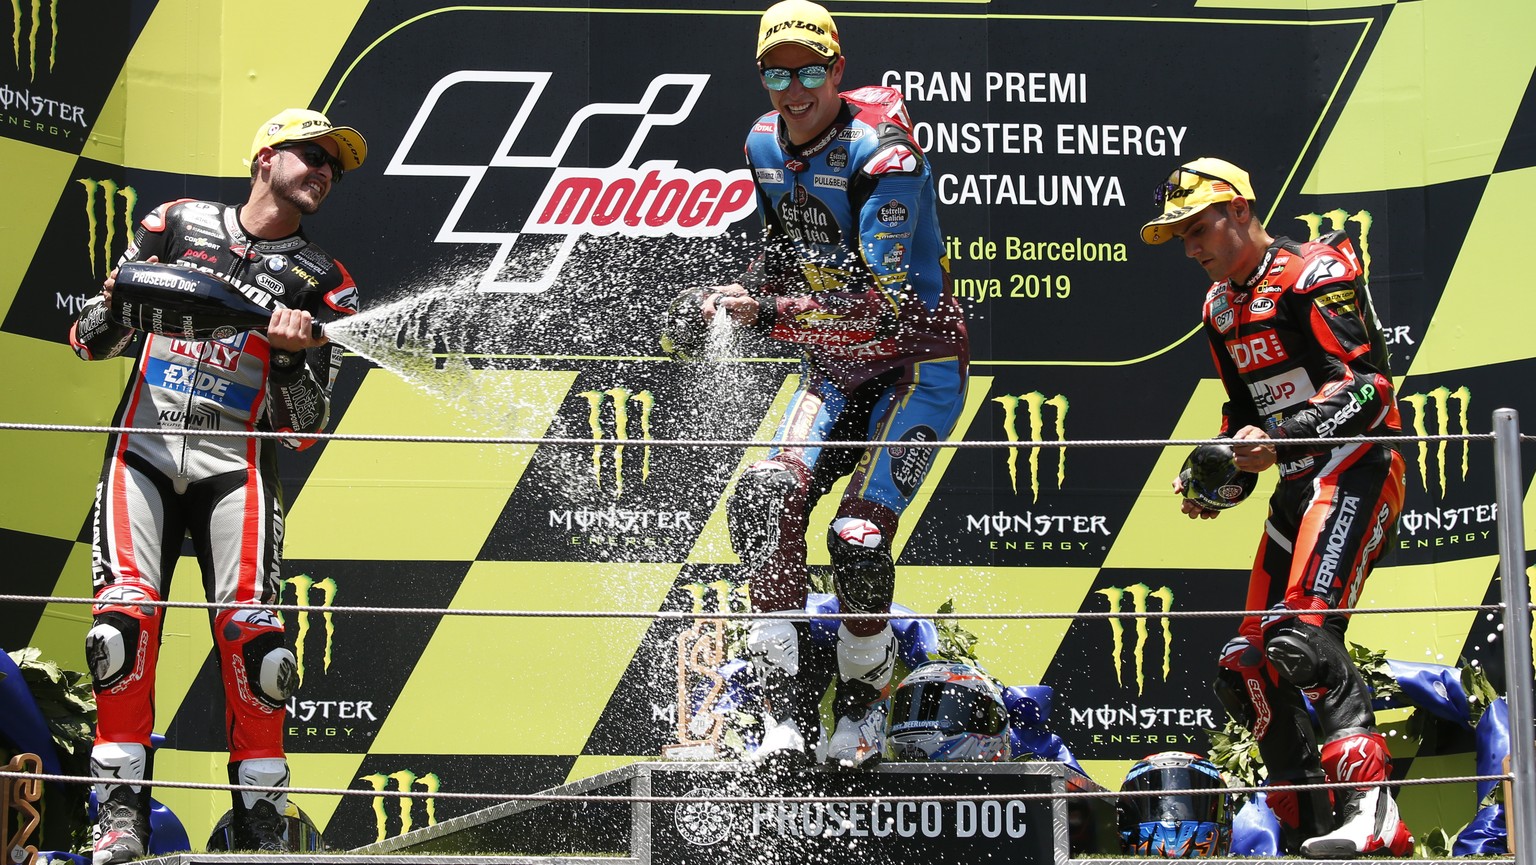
<point x="718" y="833"/>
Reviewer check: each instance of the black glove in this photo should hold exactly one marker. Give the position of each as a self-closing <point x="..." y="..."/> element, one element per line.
<point x="1212" y="481"/>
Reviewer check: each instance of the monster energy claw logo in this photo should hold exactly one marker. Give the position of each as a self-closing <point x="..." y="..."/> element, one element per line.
<point x="1139" y="594"/>
<point x="1034" y="402"/>
<point x="303" y="587"/>
<point x="1441" y="398"/>
<point x="1337" y="219"/>
<point x="33" y="25"/>
<point x="106" y="226"/>
<point x="620" y="399"/>
<point x="403" y="781"/>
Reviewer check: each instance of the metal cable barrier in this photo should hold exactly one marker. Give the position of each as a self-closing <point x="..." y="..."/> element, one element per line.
<point x="1515" y="606"/>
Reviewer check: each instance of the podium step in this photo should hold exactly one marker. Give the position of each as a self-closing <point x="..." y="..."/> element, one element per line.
<point x="714" y="832"/>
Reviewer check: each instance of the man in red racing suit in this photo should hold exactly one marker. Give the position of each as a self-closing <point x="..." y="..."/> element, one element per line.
<point x="1301" y="355"/>
<point x="222" y="491"/>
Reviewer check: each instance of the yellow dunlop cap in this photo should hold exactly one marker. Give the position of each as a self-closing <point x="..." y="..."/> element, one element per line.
<point x="1191" y="188"/>
<point x="800" y="22"/>
<point x="301" y="124"/>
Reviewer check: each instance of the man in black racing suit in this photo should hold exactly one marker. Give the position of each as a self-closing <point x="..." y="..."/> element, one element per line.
<point x="1301" y="355"/>
<point x="222" y="491"/>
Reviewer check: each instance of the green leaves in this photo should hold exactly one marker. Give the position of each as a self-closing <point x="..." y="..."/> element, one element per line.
<point x="955" y="642"/>
<point x="1235" y="751"/>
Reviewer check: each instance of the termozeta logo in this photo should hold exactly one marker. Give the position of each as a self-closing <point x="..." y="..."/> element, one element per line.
<point x="635" y="199"/>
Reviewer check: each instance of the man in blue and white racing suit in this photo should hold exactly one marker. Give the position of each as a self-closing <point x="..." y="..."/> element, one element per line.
<point x="853" y="273"/>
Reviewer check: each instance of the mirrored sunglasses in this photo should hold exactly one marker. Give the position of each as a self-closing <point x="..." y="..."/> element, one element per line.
<point x="811" y="77"/>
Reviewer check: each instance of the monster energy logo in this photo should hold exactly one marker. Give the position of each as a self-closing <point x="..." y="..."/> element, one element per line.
<point x="620" y="399"/>
<point x="404" y="781"/>
<point x="303" y="586"/>
<point x="1035" y="403"/>
<point x="33" y="24"/>
<point x="1337" y="219"/>
<point x="1139" y="594"/>
<point x="106" y="226"/>
<point x="1441" y="398"/>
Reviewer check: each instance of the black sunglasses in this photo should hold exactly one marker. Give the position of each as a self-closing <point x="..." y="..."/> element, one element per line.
<point x="315" y="156"/>
<point x="811" y="77"/>
<point x="1168" y="189"/>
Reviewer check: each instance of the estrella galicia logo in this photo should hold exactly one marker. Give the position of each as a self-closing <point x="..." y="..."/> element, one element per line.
<point x="908" y="465"/>
<point x="652" y="199"/>
<point x="108" y="219"/>
<point x="1448" y="410"/>
<point x="610" y="409"/>
<point x="1138" y="595"/>
<point x="1034" y="404"/>
<point x="307" y="591"/>
<point x="403" y="781"/>
<point x="892" y="213"/>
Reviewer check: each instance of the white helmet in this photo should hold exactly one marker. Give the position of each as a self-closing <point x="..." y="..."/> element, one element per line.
<point x="947" y="711"/>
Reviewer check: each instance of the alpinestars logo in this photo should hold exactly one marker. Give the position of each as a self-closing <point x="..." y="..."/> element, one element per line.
<point x="305" y="591"/>
<point x="1437" y="405"/>
<point x="645" y="200"/>
<point x="597" y="418"/>
<point x="1138" y="595"/>
<point x="1034" y="403"/>
<point x="403" y="781"/>
<point x="105" y="223"/>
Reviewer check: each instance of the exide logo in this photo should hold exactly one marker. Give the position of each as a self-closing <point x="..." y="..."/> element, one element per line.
<point x="628" y="197"/>
<point x="654" y="199"/>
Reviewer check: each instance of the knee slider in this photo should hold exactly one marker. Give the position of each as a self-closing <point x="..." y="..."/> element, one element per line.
<point x="755" y="511"/>
<point x="255" y="637"/>
<point x="861" y="566"/>
<point x="1294" y="651"/>
<point x="121" y="634"/>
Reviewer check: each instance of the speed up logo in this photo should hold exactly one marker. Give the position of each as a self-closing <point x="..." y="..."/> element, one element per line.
<point x="401" y="810"/>
<point x="1034" y="404"/>
<point x="1447" y="410"/>
<point x="615" y="404"/>
<point x="652" y="199"/>
<point x="108" y="218"/>
<point x="1133" y="599"/>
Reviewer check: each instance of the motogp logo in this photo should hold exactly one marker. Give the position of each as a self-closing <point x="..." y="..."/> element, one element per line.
<point x="630" y="198"/>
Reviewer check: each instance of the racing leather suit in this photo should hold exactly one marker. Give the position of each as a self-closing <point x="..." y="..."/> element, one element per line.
<point x="224" y="492"/>
<point x="853" y="272"/>
<point x="1301" y="354"/>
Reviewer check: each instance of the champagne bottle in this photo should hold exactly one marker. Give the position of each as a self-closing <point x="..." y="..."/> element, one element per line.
<point x="184" y="303"/>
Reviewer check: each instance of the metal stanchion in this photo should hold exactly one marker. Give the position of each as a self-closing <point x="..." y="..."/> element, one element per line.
<point x="1521" y="813"/>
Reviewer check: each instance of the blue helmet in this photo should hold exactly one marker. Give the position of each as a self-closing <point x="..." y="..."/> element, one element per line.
<point x="1185" y="813"/>
<point x="947" y="711"/>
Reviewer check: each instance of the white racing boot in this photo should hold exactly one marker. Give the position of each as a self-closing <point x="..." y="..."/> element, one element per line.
<point x="774" y="646"/>
<point x="121" y="833"/>
<point x="864" y="666"/>
<point x="1368" y="819"/>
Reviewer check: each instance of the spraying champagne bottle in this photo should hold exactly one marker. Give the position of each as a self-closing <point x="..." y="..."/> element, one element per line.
<point x="184" y="303"/>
